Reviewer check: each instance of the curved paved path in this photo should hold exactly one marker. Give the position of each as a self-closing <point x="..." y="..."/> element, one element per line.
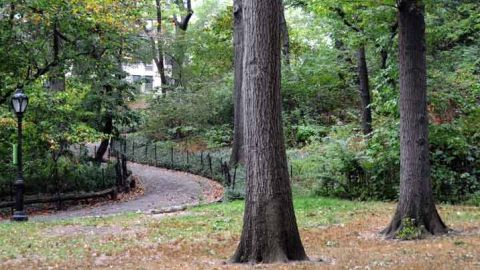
<point x="163" y="188"/>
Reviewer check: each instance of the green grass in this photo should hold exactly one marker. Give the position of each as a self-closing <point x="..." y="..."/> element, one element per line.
<point x="45" y="238"/>
<point x="114" y="235"/>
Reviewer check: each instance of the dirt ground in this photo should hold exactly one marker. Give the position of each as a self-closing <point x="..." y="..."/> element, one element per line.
<point x="355" y="244"/>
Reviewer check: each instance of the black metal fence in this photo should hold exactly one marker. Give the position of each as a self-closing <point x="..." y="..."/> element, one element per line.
<point x="213" y="164"/>
<point x="77" y="177"/>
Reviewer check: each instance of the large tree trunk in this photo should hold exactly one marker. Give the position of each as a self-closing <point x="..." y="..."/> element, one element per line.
<point x="238" y="151"/>
<point x="416" y="204"/>
<point x="270" y="232"/>
<point x="364" y="90"/>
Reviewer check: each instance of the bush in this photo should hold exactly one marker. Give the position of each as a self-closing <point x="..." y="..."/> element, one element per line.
<point x="67" y="175"/>
<point x="474" y="199"/>
<point x="409" y="230"/>
<point x="308" y="133"/>
<point x="220" y="136"/>
<point x="186" y="113"/>
<point x="346" y="165"/>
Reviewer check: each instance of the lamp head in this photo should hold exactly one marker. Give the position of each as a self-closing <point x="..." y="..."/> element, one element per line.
<point x="19" y="102"/>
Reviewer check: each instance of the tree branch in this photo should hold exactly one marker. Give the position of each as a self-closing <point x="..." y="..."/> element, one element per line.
<point x="342" y="16"/>
<point x="183" y="24"/>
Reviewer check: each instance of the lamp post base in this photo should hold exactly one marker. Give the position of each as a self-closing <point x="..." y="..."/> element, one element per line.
<point x="19" y="216"/>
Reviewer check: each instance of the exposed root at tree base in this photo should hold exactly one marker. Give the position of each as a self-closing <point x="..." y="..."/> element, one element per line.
<point x="273" y="257"/>
<point x="410" y="229"/>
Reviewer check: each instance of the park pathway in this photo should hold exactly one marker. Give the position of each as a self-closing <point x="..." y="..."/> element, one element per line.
<point x="163" y="188"/>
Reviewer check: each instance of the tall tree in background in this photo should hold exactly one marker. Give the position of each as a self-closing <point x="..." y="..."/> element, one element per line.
<point x="157" y="47"/>
<point x="364" y="90"/>
<point x="270" y="232"/>
<point x="181" y="26"/>
<point x="238" y="151"/>
<point x="416" y="204"/>
<point x="362" y="73"/>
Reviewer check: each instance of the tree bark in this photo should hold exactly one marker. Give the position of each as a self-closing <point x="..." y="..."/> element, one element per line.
<point x="181" y="27"/>
<point x="56" y="80"/>
<point x="362" y="70"/>
<point x="158" y="48"/>
<point x="238" y="151"/>
<point x="107" y="129"/>
<point x="416" y="203"/>
<point x="384" y="50"/>
<point x="270" y="232"/>
<point x="364" y="90"/>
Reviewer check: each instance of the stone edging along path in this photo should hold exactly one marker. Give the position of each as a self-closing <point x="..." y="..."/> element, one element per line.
<point x="166" y="191"/>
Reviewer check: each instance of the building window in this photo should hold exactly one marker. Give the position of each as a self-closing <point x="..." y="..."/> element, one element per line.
<point x="148" y="83"/>
<point x="148" y="67"/>
<point x="136" y="79"/>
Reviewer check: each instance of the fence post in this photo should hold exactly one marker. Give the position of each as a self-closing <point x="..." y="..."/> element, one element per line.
<point x="228" y="178"/>
<point x="124" y="170"/>
<point x="109" y="152"/>
<point x="171" y="156"/>
<point x="146" y="152"/>
<point x="209" y="158"/>
<point x="133" y="150"/>
<point x="94" y="151"/>
<point x="103" y="177"/>
<point x="11" y="198"/>
<point x="156" y="162"/>
<point x="187" y="158"/>
<point x="234" y="177"/>
<point x="125" y="145"/>
<point x="201" y="159"/>
<point x="118" y="172"/>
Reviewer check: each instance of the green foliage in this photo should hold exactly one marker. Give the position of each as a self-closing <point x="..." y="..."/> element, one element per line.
<point x="185" y="113"/>
<point x="67" y="174"/>
<point x="409" y="230"/>
<point x="346" y="165"/>
<point x="474" y="199"/>
<point x="219" y="136"/>
<point x="456" y="158"/>
<point x="233" y="194"/>
<point x="67" y="56"/>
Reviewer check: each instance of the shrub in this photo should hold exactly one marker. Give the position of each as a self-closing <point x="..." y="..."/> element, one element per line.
<point x="220" y="136"/>
<point x="346" y="165"/>
<point x="409" y="230"/>
<point x="474" y="199"/>
<point x="66" y="175"/>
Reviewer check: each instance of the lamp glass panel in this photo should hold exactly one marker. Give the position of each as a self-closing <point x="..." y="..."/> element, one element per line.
<point x="16" y="105"/>
<point x="24" y="105"/>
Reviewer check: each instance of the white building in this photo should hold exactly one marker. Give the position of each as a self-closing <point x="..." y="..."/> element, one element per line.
<point x="147" y="73"/>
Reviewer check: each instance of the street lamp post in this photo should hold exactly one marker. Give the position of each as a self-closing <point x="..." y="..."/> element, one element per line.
<point x="19" y="105"/>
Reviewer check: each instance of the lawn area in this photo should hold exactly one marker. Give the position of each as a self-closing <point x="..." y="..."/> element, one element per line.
<point x="340" y="233"/>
